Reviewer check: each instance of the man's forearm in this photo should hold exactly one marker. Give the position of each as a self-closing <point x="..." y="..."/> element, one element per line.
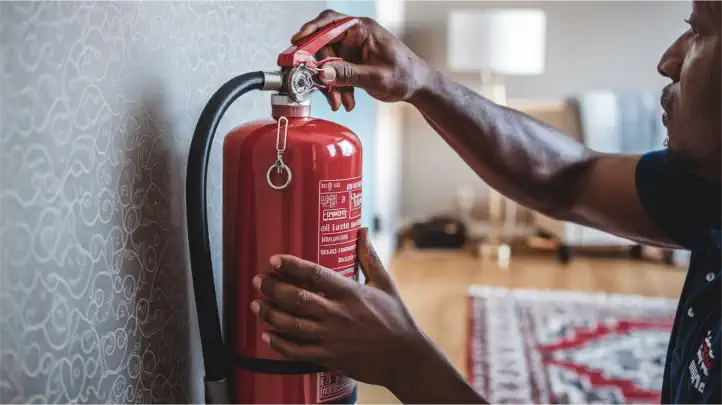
<point x="522" y="158"/>
<point x="429" y="378"/>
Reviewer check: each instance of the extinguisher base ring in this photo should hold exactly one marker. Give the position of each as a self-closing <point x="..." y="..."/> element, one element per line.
<point x="268" y="366"/>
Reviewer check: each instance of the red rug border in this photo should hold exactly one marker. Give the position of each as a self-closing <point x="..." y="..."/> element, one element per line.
<point x="476" y="291"/>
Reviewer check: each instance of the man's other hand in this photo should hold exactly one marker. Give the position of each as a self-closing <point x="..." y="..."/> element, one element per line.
<point x="374" y="60"/>
<point x="317" y="315"/>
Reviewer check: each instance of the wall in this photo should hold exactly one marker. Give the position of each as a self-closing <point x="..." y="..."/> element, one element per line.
<point x="98" y="104"/>
<point x="583" y="52"/>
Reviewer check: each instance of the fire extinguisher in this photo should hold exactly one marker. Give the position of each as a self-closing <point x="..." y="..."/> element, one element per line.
<point x="291" y="184"/>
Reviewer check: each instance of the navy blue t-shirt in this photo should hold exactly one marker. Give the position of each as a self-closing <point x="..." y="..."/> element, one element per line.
<point x="688" y="208"/>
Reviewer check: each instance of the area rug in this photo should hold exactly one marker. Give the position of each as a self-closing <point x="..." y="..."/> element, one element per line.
<point x="564" y="347"/>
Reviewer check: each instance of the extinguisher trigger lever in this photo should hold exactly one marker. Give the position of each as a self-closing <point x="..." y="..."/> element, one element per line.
<point x="303" y="51"/>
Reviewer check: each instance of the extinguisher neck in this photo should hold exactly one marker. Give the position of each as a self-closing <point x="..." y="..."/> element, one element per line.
<point x="284" y="106"/>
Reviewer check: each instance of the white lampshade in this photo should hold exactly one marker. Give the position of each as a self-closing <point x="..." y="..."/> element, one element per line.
<point x="503" y="41"/>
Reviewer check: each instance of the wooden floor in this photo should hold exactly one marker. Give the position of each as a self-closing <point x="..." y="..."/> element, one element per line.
<point x="434" y="284"/>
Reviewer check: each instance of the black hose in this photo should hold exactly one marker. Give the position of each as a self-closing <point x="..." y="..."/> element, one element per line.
<point x="215" y="359"/>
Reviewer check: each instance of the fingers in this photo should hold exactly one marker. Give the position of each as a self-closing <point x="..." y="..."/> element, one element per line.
<point x="333" y="95"/>
<point x="292" y="298"/>
<point x="323" y="19"/>
<point x="370" y="262"/>
<point x="318" y="278"/>
<point x="340" y="78"/>
<point x="328" y="74"/>
<point x="350" y="53"/>
<point x="287" y="324"/>
<point x="349" y="102"/>
<point x="350" y="74"/>
<point x="292" y="349"/>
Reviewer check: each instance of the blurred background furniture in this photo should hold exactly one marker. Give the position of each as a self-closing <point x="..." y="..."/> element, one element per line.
<point x="496" y="43"/>
<point x="605" y="121"/>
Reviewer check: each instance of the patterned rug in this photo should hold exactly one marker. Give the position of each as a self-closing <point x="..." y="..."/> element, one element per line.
<point x="563" y="347"/>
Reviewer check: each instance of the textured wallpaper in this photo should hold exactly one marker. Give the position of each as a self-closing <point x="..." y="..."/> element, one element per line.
<point x="98" y="103"/>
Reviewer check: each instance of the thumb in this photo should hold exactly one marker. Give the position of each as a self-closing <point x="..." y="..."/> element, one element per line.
<point x="370" y="263"/>
<point x="345" y="74"/>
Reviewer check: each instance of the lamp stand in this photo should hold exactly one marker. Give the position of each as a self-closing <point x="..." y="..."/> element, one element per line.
<point x="493" y="88"/>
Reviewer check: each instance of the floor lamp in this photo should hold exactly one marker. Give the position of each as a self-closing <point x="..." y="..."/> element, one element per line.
<point x="496" y="43"/>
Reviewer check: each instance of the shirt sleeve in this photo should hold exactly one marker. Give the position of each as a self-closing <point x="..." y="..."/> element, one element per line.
<point x="680" y="203"/>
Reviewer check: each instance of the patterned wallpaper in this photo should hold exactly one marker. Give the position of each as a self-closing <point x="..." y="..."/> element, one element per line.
<point x="98" y="104"/>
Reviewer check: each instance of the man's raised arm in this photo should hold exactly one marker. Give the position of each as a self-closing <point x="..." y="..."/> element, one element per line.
<point x="522" y="158"/>
<point x="535" y="164"/>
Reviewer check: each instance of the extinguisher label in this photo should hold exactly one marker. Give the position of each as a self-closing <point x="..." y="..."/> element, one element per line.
<point x="339" y="214"/>
<point x="333" y="386"/>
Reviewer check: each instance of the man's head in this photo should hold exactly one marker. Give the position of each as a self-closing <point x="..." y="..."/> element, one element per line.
<point x="693" y="101"/>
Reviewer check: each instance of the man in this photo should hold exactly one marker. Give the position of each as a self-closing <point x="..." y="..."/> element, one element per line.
<point x="667" y="198"/>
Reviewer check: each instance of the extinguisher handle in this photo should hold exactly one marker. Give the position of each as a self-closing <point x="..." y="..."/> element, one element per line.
<point x="304" y="51"/>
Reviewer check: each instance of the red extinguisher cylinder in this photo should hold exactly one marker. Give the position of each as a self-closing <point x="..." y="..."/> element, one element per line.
<point x="291" y="184"/>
